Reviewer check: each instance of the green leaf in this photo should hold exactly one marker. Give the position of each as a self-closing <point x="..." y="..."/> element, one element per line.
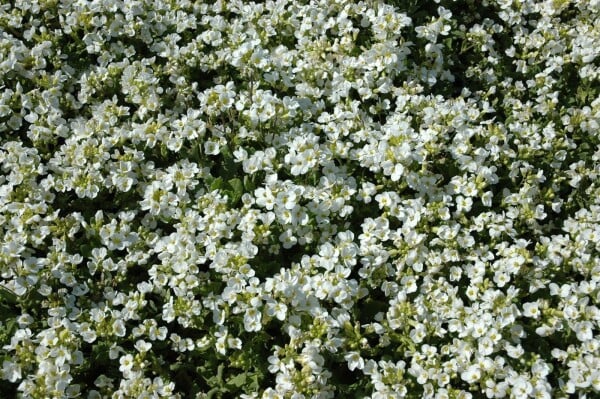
<point x="212" y="381"/>
<point x="164" y="151"/>
<point x="215" y="391"/>
<point x="7" y="296"/>
<point x="8" y="329"/>
<point x="371" y="307"/>
<point x="216" y="184"/>
<point x="249" y="184"/>
<point x="238" y="381"/>
<point x="219" y="375"/>
<point x="254" y="384"/>
<point x="448" y="43"/>
<point x="236" y="191"/>
<point x="237" y="186"/>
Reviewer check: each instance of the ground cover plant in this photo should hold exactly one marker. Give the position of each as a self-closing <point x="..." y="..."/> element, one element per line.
<point x="299" y="199"/>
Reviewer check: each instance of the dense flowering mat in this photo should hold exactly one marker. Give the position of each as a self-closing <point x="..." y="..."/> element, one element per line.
<point x="299" y="199"/>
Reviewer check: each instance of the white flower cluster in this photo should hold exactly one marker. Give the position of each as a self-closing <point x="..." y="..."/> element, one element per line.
<point x="300" y="199"/>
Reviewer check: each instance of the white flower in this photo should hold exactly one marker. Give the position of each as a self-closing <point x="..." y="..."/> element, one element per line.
<point x="252" y="319"/>
<point x="397" y="172"/>
<point x="119" y="328"/>
<point x="355" y="361"/>
<point x="287" y="199"/>
<point x="521" y="387"/>
<point x="11" y="371"/>
<point x="126" y="364"/>
<point x="531" y="309"/>
<point x="463" y="204"/>
<point x="265" y="198"/>
<point x="584" y="330"/>
<point x="276" y="309"/>
<point x="142" y="346"/>
<point x="212" y="147"/>
<point x="472" y="374"/>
